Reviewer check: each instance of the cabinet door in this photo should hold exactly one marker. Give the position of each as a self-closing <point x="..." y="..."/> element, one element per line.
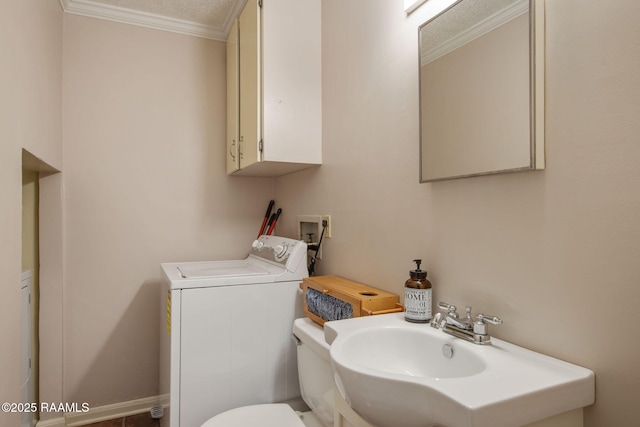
<point x="250" y="85"/>
<point x="233" y="94"/>
<point x="292" y="81"/>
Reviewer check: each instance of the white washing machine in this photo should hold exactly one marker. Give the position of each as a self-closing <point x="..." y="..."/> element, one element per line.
<point x="226" y="331"/>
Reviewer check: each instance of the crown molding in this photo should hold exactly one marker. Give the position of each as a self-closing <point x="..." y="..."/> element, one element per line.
<point x="235" y="12"/>
<point x="128" y="16"/>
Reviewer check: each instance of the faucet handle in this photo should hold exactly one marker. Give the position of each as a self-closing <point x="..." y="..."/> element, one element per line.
<point x="480" y="325"/>
<point x="494" y="320"/>
<point x="448" y="307"/>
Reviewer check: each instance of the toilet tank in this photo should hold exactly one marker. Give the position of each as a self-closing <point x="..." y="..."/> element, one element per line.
<point x="314" y="369"/>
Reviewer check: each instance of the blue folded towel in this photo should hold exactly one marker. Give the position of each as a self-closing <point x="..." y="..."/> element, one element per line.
<point x="327" y="307"/>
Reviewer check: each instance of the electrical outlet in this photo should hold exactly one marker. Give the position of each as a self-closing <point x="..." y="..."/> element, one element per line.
<point x="327" y="231"/>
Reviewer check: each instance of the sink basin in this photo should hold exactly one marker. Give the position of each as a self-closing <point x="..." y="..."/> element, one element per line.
<point x="405" y="351"/>
<point x="399" y="374"/>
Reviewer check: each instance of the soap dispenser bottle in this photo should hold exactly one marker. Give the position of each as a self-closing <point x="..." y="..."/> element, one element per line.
<point x="417" y="296"/>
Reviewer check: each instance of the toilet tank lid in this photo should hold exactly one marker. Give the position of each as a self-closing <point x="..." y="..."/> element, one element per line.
<point x="311" y="334"/>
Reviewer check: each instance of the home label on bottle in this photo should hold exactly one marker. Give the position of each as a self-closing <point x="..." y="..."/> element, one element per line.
<point x="417" y="304"/>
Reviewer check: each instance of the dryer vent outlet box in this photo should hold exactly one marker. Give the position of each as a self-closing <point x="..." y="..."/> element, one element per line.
<point x="310" y="229"/>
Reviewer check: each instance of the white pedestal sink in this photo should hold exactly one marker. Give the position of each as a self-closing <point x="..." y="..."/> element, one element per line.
<point x="399" y="374"/>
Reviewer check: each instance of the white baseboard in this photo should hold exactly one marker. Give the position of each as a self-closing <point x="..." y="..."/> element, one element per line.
<point x="102" y="413"/>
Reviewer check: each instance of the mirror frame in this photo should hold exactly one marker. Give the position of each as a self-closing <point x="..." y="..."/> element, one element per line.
<point x="536" y="94"/>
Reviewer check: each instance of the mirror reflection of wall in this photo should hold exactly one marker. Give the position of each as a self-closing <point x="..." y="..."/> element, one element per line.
<point x="476" y="102"/>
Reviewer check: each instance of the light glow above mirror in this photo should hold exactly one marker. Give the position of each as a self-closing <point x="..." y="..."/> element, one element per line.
<point x="411" y="5"/>
<point x="430" y="9"/>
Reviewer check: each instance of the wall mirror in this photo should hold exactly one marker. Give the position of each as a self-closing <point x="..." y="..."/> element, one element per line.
<point x="482" y="89"/>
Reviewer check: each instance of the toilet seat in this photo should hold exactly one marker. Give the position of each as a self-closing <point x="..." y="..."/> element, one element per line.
<point x="267" y="415"/>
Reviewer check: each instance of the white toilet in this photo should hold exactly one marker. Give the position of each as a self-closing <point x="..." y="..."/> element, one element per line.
<point x="316" y="387"/>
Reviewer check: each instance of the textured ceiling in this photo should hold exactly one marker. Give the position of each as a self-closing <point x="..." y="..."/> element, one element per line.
<point x="207" y="12"/>
<point x="204" y="18"/>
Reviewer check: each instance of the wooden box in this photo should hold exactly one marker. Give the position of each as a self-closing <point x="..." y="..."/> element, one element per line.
<point x="365" y="300"/>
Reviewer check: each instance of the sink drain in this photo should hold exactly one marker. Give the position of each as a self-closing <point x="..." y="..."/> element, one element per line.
<point x="447" y="351"/>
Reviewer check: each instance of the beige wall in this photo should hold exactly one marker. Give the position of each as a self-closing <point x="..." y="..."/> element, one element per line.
<point x="30" y="111"/>
<point x="554" y="253"/>
<point x="145" y="183"/>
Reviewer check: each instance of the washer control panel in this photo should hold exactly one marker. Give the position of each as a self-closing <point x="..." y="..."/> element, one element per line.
<point x="278" y="249"/>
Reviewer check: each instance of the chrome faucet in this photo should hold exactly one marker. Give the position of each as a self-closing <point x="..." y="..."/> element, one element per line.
<point x="475" y="331"/>
<point x="452" y="318"/>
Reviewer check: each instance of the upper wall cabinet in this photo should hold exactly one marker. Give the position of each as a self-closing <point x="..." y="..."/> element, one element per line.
<point x="274" y="88"/>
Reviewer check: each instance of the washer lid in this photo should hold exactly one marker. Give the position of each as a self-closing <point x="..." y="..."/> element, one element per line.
<point x="269" y="415"/>
<point x="220" y="269"/>
<point x="190" y="275"/>
<point x="272" y="259"/>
